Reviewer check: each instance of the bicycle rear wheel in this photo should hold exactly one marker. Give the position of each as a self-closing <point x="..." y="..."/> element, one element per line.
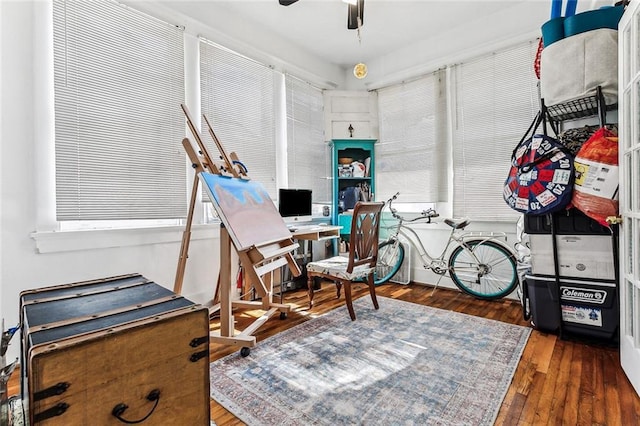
<point x="390" y="257"/>
<point x="492" y="276"/>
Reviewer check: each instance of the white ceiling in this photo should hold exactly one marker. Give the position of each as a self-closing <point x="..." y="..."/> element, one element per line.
<point x="320" y="26"/>
<point x="426" y="29"/>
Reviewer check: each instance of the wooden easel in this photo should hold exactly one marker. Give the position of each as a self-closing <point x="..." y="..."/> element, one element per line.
<point x="200" y="162"/>
<point x="263" y="245"/>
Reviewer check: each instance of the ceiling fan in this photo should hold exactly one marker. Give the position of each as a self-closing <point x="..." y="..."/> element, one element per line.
<point x="355" y="12"/>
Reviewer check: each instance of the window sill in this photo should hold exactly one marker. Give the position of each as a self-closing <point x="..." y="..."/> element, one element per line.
<point x="63" y="241"/>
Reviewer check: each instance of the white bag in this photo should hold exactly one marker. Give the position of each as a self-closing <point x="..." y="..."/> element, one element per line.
<point x="572" y="68"/>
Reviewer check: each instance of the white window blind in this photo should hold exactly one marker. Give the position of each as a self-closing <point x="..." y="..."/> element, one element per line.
<point x="411" y="152"/>
<point x="237" y="97"/>
<point x="308" y="156"/>
<point x="118" y="81"/>
<point x="496" y="100"/>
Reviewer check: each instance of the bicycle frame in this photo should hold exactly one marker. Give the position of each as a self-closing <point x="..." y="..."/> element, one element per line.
<point x="480" y="264"/>
<point x="436" y="263"/>
<point x="439" y="264"/>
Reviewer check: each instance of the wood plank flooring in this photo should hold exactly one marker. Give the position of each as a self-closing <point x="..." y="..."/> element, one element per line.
<point x="557" y="382"/>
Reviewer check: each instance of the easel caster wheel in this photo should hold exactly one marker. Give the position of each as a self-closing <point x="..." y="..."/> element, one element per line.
<point x="283" y="315"/>
<point x="244" y="352"/>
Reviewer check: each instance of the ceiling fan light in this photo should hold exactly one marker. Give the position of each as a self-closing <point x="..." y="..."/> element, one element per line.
<point x="360" y="70"/>
<point x="355" y="15"/>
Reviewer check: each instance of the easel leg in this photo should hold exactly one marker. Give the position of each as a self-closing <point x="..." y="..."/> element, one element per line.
<point x="226" y="317"/>
<point x="267" y="300"/>
<point x="186" y="237"/>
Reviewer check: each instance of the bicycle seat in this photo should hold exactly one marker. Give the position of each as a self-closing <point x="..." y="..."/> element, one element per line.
<point x="457" y="223"/>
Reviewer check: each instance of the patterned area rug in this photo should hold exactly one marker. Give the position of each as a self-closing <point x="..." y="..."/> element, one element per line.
<point x="403" y="364"/>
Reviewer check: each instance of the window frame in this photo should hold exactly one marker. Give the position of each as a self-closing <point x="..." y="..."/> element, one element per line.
<point x="508" y="116"/>
<point x="251" y="137"/>
<point x="413" y="125"/>
<point x="305" y="142"/>
<point x="110" y="88"/>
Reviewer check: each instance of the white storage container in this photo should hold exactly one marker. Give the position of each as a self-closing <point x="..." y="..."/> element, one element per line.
<point x="579" y="256"/>
<point x="572" y="68"/>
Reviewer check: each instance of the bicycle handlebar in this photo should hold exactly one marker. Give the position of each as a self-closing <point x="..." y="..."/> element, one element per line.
<point x="424" y="215"/>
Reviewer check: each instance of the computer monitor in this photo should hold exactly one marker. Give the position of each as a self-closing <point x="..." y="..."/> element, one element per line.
<point x="294" y="205"/>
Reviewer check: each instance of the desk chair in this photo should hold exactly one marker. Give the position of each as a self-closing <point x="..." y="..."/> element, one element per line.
<point x="363" y="253"/>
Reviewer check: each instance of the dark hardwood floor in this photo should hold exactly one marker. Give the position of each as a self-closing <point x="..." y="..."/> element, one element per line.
<point x="557" y="382"/>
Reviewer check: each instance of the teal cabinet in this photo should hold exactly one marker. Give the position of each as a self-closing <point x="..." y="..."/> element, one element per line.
<point x="353" y="166"/>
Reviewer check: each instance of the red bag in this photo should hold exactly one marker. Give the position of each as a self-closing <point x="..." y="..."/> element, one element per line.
<point x="595" y="190"/>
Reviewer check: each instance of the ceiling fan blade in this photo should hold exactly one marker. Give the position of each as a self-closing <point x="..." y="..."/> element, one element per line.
<point x="355" y="12"/>
<point x="287" y="2"/>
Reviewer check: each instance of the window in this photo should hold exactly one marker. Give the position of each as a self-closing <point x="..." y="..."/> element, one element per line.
<point x="238" y="99"/>
<point x="118" y="84"/>
<point x="308" y="156"/>
<point x="411" y="152"/>
<point x="495" y="101"/>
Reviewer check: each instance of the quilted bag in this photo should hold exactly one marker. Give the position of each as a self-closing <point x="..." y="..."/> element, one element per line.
<point x="541" y="176"/>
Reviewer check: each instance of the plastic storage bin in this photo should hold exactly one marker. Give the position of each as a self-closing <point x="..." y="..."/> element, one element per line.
<point x="589" y="307"/>
<point x="571" y="222"/>
<point x="579" y="256"/>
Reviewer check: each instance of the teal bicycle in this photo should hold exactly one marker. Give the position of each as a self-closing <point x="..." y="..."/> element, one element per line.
<point x="480" y="264"/>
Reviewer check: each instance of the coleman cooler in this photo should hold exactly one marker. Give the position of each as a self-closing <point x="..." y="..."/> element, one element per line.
<point x="589" y="307"/>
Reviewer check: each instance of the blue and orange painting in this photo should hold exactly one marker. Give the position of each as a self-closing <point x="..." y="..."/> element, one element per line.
<point x="246" y="210"/>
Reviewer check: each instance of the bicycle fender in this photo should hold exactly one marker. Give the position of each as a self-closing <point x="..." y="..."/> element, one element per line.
<point x="493" y="240"/>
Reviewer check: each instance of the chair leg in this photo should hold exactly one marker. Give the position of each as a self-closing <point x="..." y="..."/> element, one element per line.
<point x="372" y="291"/>
<point x="347" y="297"/>
<point x="338" y="288"/>
<point x="310" y="289"/>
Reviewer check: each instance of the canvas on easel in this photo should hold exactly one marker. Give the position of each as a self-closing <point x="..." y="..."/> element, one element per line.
<point x="251" y="225"/>
<point x="246" y="209"/>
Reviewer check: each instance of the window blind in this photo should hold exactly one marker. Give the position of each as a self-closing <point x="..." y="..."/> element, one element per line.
<point x="308" y="156"/>
<point x="237" y="97"/>
<point x="495" y="101"/>
<point x="411" y="152"/>
<point x="118" y="85"/>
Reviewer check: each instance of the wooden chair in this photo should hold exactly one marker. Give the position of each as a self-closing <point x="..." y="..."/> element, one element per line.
<point x="363" y="253"/>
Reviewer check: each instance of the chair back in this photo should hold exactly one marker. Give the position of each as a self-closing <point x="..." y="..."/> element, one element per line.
<point x="363" y="241"/>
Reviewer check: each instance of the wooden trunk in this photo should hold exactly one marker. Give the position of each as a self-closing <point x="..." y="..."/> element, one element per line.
<point x="121" y="346"/>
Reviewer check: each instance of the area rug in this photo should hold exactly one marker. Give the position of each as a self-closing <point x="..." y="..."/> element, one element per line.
<point x="403" y="364"/>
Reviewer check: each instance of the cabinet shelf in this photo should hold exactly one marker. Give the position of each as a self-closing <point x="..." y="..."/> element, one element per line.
<point x="356" y="150"/>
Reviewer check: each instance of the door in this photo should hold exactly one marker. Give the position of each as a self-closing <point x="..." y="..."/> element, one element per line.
<point x="629" y="160"/>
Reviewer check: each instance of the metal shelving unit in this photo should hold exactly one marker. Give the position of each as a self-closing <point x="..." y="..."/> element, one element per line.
<point x="586" y="107"/>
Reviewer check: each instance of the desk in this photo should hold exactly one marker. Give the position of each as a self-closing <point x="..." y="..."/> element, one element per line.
<point x="306" y="235"/>
<point x="315" y="232"/>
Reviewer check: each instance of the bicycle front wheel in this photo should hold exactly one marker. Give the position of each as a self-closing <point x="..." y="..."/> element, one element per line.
<point x="390" y="257"/>
<point x="484" y="269"/>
